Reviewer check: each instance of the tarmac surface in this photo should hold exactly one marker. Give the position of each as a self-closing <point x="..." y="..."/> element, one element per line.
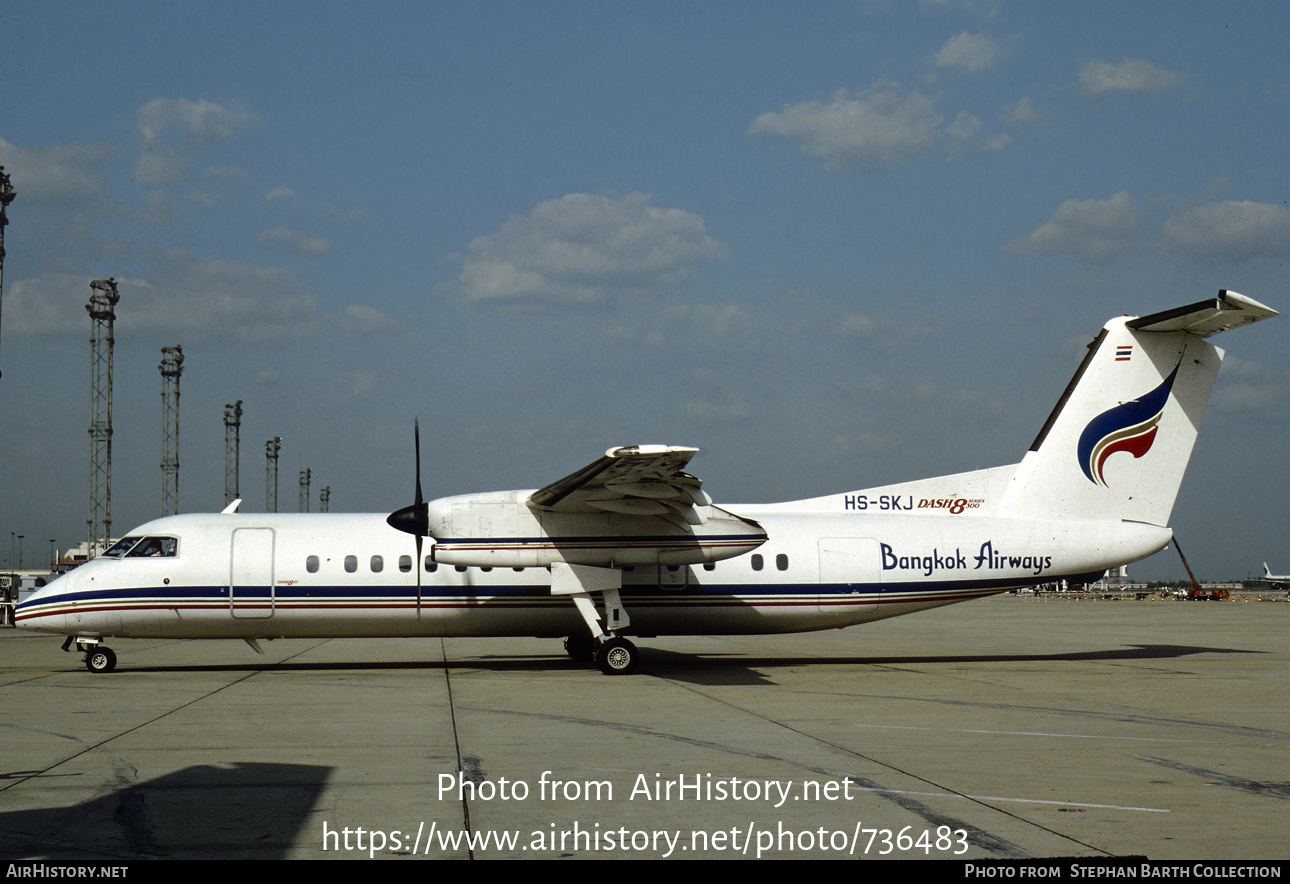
<point x="1012" y="727"/>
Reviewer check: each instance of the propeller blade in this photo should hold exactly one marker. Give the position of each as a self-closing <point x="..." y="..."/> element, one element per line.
<point x="424" y="526"/>
<point x="416" y="438"/>
<point x="414" y="519"/>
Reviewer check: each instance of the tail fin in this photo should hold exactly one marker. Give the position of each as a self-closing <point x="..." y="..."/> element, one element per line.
<point x="1118" y="442"/>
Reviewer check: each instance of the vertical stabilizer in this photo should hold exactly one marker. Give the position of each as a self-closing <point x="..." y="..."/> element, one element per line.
<point x="1117" y="444"/>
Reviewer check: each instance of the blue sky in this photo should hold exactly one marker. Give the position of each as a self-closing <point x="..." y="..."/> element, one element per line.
<point x="834" y="245"/>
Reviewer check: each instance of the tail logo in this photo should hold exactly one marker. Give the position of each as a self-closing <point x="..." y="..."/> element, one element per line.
<point x="1130" y="426"/>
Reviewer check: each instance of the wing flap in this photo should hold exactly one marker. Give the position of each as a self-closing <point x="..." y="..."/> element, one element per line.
<point x="636" y="480"/>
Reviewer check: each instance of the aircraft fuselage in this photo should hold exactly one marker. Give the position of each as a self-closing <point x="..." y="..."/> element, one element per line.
<point x="266" y="576"/>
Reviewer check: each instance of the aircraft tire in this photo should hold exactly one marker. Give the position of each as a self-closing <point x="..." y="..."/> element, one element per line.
<point x="617" y="656"/>
<point x="580" y="648"/>
<point x="100" y="659"/>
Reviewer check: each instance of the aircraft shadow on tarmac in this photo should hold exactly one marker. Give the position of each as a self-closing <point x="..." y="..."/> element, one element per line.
<point x="714" y="668"/>
<point x="242" y="810"/>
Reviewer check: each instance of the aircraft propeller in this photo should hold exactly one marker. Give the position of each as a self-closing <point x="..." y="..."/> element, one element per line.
<point x="414" y="519"/>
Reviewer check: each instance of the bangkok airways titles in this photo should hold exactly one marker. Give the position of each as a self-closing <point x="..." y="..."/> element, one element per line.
<point x="987" y="557"/>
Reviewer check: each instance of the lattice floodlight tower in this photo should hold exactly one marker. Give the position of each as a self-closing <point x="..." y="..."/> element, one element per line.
<point x="7" y="193"/>
<point x="232" y="450"/>
<point x="271" y="449"/>
<point x="102" y="310"/>
<point x="306" y="476"/>
<point x="172" y="366"/>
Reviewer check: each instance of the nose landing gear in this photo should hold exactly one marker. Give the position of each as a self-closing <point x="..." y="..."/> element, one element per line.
<point x="98" y="657"/>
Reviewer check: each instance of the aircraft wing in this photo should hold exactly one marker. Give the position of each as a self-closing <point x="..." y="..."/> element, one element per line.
<point x="644" y="480"/>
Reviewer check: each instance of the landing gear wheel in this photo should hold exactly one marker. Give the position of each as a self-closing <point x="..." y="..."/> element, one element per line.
<point x="617" y="656"/>
<point x="100" y="659"/>
<point x="580" y="648"/>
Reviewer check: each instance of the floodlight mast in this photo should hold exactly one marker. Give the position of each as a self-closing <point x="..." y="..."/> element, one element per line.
<point x="172" y="366"/>
<point x="306" y="477"/>
<point x="102" y="311"/>
<point x="232" y="451"/>
<point x="7" y="193"/>
<point x="271" y="449"/>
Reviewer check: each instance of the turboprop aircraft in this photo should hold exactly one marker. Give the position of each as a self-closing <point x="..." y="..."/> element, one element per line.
<point x="632" y="545"/>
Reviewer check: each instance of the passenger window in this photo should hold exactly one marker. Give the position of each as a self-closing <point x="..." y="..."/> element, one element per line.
<point x="756" y="562"/>
<point x="311" y="564"/>
<point x="461" y="568"/>
<point x="781" y="562"/>
<point x="405" y="564"/>
<point x="709" y="566"/>
<point x="431" y="564"/>
<point x="378" y="564"/>
<point x="351" y="564"/>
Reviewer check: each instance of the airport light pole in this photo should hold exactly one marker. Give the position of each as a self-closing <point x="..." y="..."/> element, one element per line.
<point x="271" y="449"/>
<point x="7" y="194"/>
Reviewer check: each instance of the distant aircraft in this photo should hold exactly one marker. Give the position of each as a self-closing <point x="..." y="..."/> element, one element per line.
<point x="634" y="532"/>
<point x="1278" y="581"/>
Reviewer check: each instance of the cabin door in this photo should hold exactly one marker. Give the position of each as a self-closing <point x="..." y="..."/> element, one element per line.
<point x="849" y="573"/>
<point x="250" y="579"/>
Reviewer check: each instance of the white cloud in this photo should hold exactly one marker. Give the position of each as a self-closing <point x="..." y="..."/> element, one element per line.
<point x="883" y="125"/>
<point x="1001" y="141"/>
<point x="1097" y="229"/>
<point x="1022" y="112"/>
<point x="1133" y="75"/>
<point x="363" y="320"/>
<point x="57" y="173"/>
<point x="1231" y="230"/>
<point x="160" y="166"/>
<point x="203" y="198"/>
<point x="282" y="193"/>
<point x="971" y="52"/>
<point x="200" y="299"/>
<point x="232" y="173"/>
<point x="964" y="127"/>
<point x="585" y="249"/>
<point x="200" y="121"/>
<point x="302" y="245"/>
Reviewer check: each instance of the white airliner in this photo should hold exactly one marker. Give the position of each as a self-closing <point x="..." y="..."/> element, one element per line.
<point x="1278" y="581"/>
<point x="632" y="545"/>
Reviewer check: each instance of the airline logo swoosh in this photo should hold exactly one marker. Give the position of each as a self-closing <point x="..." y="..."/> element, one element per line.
<point x="1130" y="426"/>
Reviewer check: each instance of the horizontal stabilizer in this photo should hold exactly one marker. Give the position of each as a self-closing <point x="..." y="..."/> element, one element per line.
<point x="1228" y="310"/>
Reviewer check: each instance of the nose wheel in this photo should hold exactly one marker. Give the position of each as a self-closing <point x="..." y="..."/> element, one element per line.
<point x="100" y="659"/>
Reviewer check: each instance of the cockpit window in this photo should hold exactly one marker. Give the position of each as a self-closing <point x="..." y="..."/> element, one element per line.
<point x="153" y="547"/>
<point x="121" y="547"/>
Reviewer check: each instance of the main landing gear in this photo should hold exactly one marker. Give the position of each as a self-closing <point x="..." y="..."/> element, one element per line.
<point x="601" y="643"/>
<point x="612" y="654"/>
<point x="98" y="657"/>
